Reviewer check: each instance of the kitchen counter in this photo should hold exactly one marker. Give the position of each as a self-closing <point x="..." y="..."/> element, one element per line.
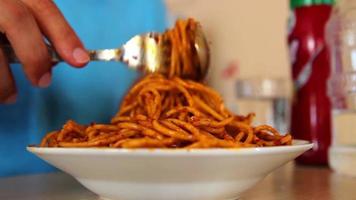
<point x="288" y="182"/>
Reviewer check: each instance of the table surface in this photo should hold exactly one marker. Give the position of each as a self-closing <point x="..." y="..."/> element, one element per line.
<point x="288" y="182"/>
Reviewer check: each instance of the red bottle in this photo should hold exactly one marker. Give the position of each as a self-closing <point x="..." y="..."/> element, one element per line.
<point x="311" y="111"/>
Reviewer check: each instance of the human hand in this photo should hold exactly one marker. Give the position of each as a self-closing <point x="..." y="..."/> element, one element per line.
<point x="26" y="23"/>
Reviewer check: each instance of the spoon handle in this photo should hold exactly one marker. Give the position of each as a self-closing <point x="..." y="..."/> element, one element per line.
<point x="12" y="58"/>
<point x="95" y="55"/>
<point x="105" y="55"/>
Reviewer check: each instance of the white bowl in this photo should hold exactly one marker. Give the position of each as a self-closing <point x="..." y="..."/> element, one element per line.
<point x="216" y="174"/>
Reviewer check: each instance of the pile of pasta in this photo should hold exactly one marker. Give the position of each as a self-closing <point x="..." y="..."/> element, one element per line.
<point x="160" y="112"/>
<point x="171" y="112"/>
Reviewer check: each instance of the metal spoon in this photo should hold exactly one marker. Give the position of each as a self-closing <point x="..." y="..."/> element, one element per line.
<point x="148" y="53"/>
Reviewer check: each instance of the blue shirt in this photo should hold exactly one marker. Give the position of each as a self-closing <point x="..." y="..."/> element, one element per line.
<point x="84" y="95"/>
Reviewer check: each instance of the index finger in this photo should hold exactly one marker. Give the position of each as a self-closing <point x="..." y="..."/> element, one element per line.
<point x="58" y="31"/>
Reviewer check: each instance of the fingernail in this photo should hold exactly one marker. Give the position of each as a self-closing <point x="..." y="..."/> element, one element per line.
<point x="80" y="55"/>
<point x="45" y="80"/>
<point x="11" y="99"/>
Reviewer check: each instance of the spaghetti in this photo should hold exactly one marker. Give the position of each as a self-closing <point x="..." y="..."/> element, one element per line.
<point x="183" y="61"/>
<point x="170" y="112"/>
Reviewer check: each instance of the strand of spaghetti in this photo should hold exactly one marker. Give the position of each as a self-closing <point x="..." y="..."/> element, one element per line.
<point x="73" y="126"/>
<point x="103" y="136"/>
<point x="217" y="132"/>
<point x="171" y="133"/>
<point x="223" y="143"/>
<point x="195" y="145"/>
<point x="125" y="136"/>
<point x="266" y="143"/>
<point x="188" y="109"/>
<point x="206" y="134"/>
<point x="119" y="143"/>
<point x="214" y="143"/>
<point x="177" y="70"/>
<point x="45" y="140"/>
<point x="103" y="142"/>
<point x="169" y="37"/>
<point x="75" y="140"/>
<point x="127" y="108"/>
<point x="180" y="49"/>
<point x="145" y="123"/>
<point x="182" y="27"/>
<point x="157" y="103"/>
<point x="196" y="121"/>
<point x="68" y="128"/>
<point x="266" y="128"/>
<point x="226" y="136"/>
<point x="118" y="119"/>
<point x="161" y="87"/>
<point x="207" y="109"/>
<point x="140" y="117"/>
<point x="141" y="84"/>
<point x="137" y="111"/>
<point x="208" y="100"/>
<point x="91" y="132"/>
<point x="265" y="135"/>
<point x="186" y="94"/>
<point x="239" y="136"/>
<point x="152" y="133"/>
<point x="129" y="125"/>
<point x="214" y="131"/>
<point x="166" y="102"/>
<point x="245" y="128"/>
<point x="146" y="142"/>
<point x="179" y="102"/>
<point x="195" y="132"/>
<point x="105" y="127"/>
<point x="147" y="104"/>
<point x="224" y="112"/>
<point x="62" y="134"/>
<point x="174" y="37"/>
<point x="174" y="127"/>
<point x="287" y="139"/>
<point x="189" y="49"/>
<point x="183" y="116"/>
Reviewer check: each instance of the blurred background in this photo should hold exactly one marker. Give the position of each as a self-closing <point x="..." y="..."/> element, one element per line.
<point x="251" y="34"/>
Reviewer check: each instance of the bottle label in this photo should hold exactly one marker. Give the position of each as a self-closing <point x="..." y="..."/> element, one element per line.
<point x="304" y="75"/>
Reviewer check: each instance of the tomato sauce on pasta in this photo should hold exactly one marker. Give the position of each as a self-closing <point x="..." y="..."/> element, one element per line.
<point x="170" y="112"/>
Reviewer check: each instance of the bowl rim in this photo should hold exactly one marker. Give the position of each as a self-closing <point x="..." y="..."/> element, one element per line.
<point x="297" y="145"/>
